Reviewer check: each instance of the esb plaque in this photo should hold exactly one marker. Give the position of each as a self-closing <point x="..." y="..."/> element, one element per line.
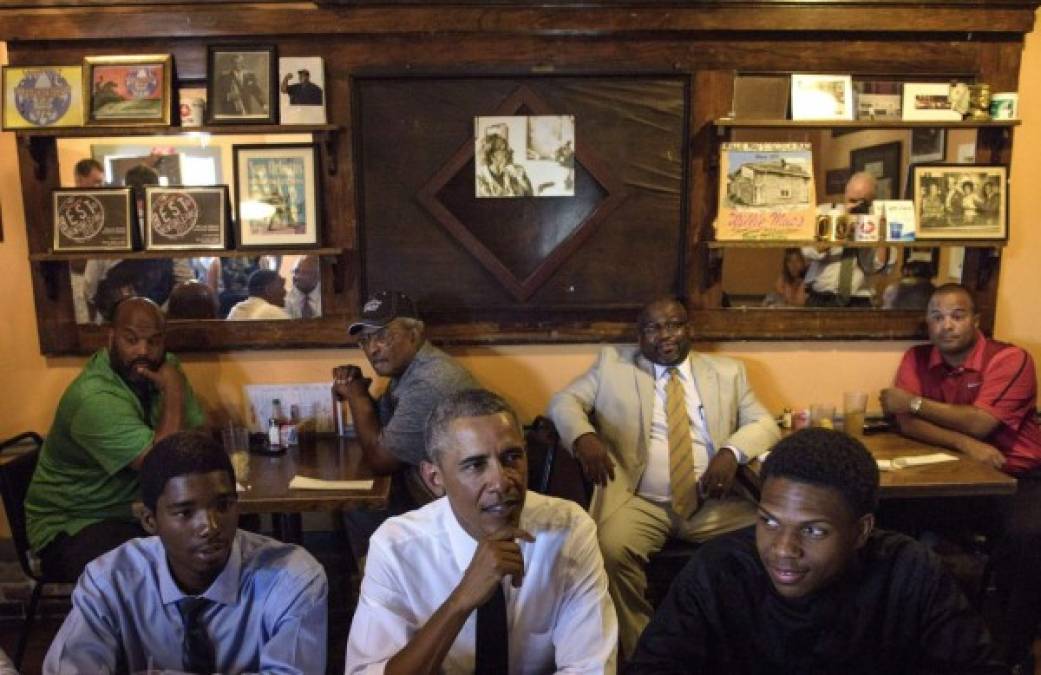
<point x="97" y="219"/>
<point x="186" y="217"/>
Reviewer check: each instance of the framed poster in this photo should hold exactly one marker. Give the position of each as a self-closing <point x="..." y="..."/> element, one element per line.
<point x="822" y="97"/>
<point x="93" y="219"/>
<point x="186" y="217"/>
<point x="883" y="162"/>
<point x="766" y="192"/>
<point x="276" y="189"/>
<point x="128" y="90"/>
<point x="301" y="90"/>
<point x="36" y="97"/>
<point x="240" y="84"/>
<point x="961" y="201"/>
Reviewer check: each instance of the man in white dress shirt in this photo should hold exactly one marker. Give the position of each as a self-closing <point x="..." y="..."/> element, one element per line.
<point x="489" y="578"/>
<point x="266" y="301"/>
<point x="305" y="297"/>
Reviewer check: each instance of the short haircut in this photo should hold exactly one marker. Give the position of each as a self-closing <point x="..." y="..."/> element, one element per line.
<point x="260" y="280"/>
<point x="466" y="403"/>
<point x="956" y="288"/>
<point x="642" y="317"/>
<point x="137" y="177"/>
<point x="831" y="459"/>
<point x="84" y="167"/>
<point x="180" y="454"/>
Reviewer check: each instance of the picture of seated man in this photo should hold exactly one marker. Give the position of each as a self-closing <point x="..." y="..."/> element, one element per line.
<point x="200" y="596"/>
<point x="814" y="587"/>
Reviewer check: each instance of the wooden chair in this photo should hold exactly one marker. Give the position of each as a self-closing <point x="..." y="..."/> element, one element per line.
<point x="16" y="470"/>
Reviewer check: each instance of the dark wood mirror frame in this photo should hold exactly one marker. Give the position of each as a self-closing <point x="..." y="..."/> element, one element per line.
<point x="706" y="43"/>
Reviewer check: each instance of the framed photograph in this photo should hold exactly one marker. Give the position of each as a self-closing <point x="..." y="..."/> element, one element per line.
<point x="882" y="162"/>
<point x="240" y="84"/>
<point x="276" y="192"/>
<point x="766" y="192"/>
<point x="37" y="97"/>
<point x="928" y="144"/>
<point x="822" y="97"/>
<point x="524" y="156"/>
<point x="128" y="90"/>
<point x="928" y="101"/>
<point x="186" y="217"/>
<point x="301" y="90"/>
<point x="961" y="201"/>
<point x="93" y="219"/>
<point x="191" y="104"/>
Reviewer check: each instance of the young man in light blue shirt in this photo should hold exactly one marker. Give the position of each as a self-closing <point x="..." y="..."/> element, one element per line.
<point x="201" y="596"/>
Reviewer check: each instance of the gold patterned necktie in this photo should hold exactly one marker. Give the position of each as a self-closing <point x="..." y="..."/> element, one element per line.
<point x="682" y="478"/>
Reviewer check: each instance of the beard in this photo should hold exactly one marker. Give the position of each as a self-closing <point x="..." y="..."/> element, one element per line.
<point x="127" y="370"/>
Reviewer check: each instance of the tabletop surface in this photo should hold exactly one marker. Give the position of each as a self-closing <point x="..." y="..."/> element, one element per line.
<point x="960" y="478"/>
<point x="322" y="457"/>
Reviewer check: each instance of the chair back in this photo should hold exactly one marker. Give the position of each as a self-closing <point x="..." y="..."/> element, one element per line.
<point x="16" y="471"/>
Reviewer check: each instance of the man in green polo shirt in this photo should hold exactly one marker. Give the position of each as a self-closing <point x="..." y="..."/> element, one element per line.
<point x="128" y="397"/>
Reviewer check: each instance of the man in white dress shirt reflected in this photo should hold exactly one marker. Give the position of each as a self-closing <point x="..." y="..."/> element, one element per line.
<point x="438" y="579"/>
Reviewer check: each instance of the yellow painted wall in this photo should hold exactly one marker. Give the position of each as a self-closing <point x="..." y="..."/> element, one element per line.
<point x="784" y="374"/>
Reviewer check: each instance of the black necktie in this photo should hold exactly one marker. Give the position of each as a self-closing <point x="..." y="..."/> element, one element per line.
<point x="197" y="651"/>
<point x="493" y="641"/>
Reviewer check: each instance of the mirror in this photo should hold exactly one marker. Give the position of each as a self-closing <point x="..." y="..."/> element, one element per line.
<point x="880" y="277"/>
<point x="187" y="288"/>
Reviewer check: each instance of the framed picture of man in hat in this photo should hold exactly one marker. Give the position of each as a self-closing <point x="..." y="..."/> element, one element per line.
<point x="301" y="90"/>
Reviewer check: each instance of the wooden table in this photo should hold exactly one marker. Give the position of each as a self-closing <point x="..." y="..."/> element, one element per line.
<point x="964" y="477"/>
<point x="324" y="457"/>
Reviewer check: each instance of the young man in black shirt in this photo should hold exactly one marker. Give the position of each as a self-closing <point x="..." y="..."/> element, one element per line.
<point x="813" y="588"/>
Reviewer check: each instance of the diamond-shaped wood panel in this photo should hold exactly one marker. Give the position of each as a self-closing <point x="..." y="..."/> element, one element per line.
<point x="522" y="261"/>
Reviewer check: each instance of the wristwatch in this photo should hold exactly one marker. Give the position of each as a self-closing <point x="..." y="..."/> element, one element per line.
<point x="915" y="405"/>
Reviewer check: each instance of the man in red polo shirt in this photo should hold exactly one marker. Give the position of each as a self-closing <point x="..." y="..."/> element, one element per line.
<point x="979" y="396"/>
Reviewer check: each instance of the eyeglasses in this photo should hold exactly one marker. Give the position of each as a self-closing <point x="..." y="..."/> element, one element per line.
<point x="383" y="337"/>
<point x="672" y="327"/>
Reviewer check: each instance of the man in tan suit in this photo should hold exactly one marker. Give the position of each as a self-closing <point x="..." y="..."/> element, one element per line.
<point x="669" y="429"/>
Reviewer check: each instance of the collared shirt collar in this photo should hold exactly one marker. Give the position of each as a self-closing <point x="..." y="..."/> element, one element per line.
<point x="463" y="545"/>
<point x="224" y="590"/>
<point x="974" y="361"/>
<point x="683" y="367"/>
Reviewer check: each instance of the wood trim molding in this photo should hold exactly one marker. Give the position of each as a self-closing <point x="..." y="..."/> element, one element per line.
<point x="213" y="20"/>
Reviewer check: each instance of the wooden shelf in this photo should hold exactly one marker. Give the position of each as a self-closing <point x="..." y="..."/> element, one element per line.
<point x="967" y="243"/>
<point x="196" y="253"/>
<point x="103" y="131"/>
<point x="730" y="122"/>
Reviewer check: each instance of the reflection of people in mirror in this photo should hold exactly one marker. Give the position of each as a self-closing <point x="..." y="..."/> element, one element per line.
<point x="304" y="92"/>
<point x="838" y="276"/>
<point x="497" y="175"/>
<point x="789" y="289"/>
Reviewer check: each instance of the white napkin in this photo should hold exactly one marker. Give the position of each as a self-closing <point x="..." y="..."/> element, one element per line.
<point x="914" y="460"/>
<point x="305" y="483"/>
